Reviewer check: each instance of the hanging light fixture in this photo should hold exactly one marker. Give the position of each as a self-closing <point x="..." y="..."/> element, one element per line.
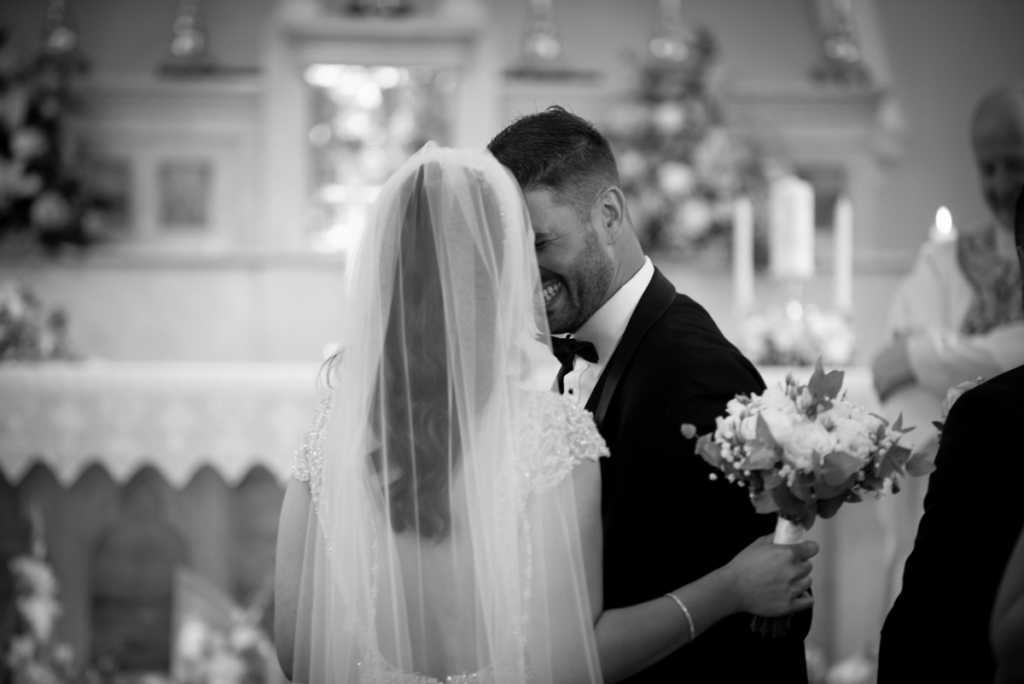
<point x="188" y="50"/>
<point x="841" y="61"/>
<point x="673" y="37"/>
<point x="60" y="35"/>
<point x="541" y="43"/>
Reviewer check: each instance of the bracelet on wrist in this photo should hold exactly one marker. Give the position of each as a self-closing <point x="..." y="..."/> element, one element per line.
<point x="686" y="613"/>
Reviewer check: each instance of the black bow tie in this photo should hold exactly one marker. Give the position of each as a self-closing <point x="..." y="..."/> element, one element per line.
<point x="567" y="349"/>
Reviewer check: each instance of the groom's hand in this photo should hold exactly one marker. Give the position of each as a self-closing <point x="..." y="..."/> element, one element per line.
<point x="772" y="579"/>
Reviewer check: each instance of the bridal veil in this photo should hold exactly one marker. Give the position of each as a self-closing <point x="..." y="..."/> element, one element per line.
<point x="442" y="545"/>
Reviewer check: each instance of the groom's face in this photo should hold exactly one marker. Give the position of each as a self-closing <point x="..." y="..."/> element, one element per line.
<point x="575" y="268"/>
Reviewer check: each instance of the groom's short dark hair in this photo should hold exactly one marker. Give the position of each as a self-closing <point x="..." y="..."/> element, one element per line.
<point x="559" y="151"/>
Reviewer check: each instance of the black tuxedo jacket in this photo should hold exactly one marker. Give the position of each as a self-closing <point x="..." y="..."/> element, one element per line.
<point x="938" y="629"/>
<point x="665" y="522"/>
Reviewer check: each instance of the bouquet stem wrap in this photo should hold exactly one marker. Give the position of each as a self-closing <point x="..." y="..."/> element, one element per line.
<point x="786" y="532"/>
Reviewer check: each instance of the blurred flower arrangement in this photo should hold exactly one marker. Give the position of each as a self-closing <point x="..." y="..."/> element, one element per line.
<point x="234" y="650"/>
<point x="33" y="655"/>
<point x="46" y="194"/>
<point x="679" y="164"/>
<point x="30" y="331"/>
<point x="797" y="336"/>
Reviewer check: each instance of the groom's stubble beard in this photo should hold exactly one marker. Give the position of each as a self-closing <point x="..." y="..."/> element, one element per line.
<point x="588" y="280"/>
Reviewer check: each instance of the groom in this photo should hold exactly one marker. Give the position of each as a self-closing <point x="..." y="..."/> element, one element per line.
<point x="660" y="362"/>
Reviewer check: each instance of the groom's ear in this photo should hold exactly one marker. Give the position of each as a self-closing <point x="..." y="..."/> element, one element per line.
<point x="612" y="206"/>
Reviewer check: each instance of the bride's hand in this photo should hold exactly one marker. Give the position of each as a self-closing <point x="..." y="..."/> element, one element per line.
<point x="772" y="579"/>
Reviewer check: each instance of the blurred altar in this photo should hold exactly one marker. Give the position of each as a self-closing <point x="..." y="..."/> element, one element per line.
<point x="233" y="148"/>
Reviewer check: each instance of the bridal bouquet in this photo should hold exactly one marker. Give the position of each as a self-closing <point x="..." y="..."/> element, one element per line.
<point x="803" y="450"/>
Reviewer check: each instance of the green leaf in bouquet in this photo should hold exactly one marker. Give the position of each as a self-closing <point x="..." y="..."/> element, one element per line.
<point x="838" y="466"/>
<point x="816" y="385"/>
<point x="803" y="487"/>
<point x="709" y="450"/>
<point x="772" y="479"/>
<point x="893" y="461"/>
<point x="898" y="426"/>
<point x="761" y="458"/>
<point x="919" y="464"/>
<point x="829" y="507"/>
<point x="764" y="502"/>
<point x="824" y="490"/>
<point x="789" y="505"/>
<point x="824" y="385"/>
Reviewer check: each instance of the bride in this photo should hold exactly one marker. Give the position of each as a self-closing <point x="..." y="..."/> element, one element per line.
<point x="443" y="523"/>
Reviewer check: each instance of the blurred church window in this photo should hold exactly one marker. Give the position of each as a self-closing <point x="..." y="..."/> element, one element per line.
<point x="184" y="193"/>
<point x="366" y="121"/>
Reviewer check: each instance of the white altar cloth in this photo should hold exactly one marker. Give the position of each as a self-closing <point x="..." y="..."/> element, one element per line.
<point x="176" y="417"/>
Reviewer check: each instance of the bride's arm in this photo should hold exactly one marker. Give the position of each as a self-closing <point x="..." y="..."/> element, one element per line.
<point x="763" y="579"/>
<point x="291" y="542"/>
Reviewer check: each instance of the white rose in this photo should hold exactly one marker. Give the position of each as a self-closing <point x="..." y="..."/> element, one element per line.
<point x="28" y="142"/>
<point x="192" y="638"/>
<point x="40" y="612"/>
<point x="50" y="211"/>
<point x="955" y="392"/>
<point x="669" y="118"/>
<point x="776" y="399"/>
<point x="696" y="217"/>
<point x="780" y="424"/>
<point x="243" y="636"/>
<point x="632" y="165"/>
<point x="675" y="178"/>
<point x="748" y="428"/>
<point x="804" y="400"/>
<point x="853" y="437"/>
<point x="735" y="407"/>
<point x="806" y="438"/>
<point x="725" y="428"/>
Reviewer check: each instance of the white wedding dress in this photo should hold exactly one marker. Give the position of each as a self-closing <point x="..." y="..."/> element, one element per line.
<point x="555" y="437"/>
<point x="453" y="507"/>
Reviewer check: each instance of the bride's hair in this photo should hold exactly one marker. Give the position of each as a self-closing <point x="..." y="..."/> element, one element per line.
<point x="412" y="412"/>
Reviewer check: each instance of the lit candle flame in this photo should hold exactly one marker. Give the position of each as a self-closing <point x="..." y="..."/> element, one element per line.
<point x="944" y="221"/>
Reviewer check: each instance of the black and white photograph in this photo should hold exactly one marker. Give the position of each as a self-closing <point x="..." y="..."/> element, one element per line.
<point x="511" y="341"/>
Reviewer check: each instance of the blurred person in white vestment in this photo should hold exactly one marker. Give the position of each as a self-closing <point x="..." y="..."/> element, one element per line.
<point x="957" y="315"/>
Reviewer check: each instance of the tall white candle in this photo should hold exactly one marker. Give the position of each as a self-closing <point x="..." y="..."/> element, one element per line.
<point x="843" y="235"/>
<point x="792" y="229"/>
<point x="742" y="255"/>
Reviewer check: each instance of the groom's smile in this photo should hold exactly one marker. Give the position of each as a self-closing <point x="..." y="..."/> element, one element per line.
<point x="551" y="290"/>
<point x="574" y="268"/>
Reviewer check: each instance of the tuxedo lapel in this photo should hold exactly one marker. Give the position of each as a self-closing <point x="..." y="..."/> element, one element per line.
<point x="656" y="300"/>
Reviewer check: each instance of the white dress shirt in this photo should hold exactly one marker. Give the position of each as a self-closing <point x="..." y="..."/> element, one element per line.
<point x="604" y="330"/>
